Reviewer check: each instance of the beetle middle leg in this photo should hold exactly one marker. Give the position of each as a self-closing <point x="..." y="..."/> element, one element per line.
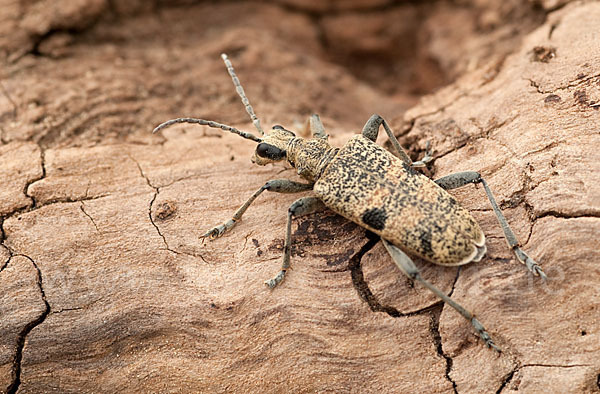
<point x="300" y="207"/>
<point x="371" y="130"/>
<point x="459" y="179"/>
<point x="275" y="185"/>
<point x="409" y="268"/>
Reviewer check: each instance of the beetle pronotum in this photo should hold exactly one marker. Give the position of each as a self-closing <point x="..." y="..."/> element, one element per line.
<point x="412" y="214"/>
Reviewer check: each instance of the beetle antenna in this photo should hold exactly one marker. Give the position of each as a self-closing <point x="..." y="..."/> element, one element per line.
<point x="208" y="123"/>
<point x="240" y="91"/>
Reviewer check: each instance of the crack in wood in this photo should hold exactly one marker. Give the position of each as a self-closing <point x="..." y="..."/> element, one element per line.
<point x="64" y="200"/>
<point x="43" y="166"/>
<point x="2" y="245"/>
<point x="155" y="225"/>
<point x="507" y="379"/>
<point x="434" y="327"/>
<point x="569" y="85"/>
<point x="561" y="215"/>
<point x="89" y="216"/>
<point x="18" y="358"/>
<point x="156" y="193"/>
<point x="365" y="293"/>
<point x="557" y="365"/>
<point x="33" y="204"/>
<point x="434" y="310"/>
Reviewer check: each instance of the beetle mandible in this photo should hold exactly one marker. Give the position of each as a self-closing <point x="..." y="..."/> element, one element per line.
<point x="382" y="192"/>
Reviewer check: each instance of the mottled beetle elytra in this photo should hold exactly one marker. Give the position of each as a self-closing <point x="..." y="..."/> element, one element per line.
<point x="382" y="192"/>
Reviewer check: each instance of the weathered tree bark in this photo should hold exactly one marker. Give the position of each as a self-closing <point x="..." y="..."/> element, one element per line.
<point x="105" y="285"/>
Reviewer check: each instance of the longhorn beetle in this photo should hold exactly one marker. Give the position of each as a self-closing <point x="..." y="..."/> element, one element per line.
<point x="382" y="192"/>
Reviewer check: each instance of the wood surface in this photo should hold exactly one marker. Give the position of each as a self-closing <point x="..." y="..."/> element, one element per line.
<point x="105" y="285"/>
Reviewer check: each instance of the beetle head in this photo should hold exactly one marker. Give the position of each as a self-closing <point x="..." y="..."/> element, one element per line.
<point x="273" y="146"/>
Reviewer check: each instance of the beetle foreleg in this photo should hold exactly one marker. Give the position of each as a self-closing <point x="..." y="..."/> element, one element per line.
<point x="300" y="207"/>
<point x="410" y="269"/>
<point x="459" y="179"/>
<point x="275" y="185"/>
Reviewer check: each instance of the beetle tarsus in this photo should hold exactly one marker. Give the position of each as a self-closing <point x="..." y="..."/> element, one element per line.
<point x="530" y="264"/>
<point x="483" y="334"/>
<point x="218" y="231"/>
<point x="272" y="283"/>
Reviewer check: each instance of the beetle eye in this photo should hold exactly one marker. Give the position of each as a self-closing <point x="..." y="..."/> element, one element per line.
<point x="269" y="151"/>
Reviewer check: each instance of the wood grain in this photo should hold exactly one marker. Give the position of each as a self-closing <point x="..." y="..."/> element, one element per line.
<point x="105" y="285"/>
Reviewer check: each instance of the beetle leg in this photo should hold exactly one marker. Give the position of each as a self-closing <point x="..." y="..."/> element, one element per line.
<point x="275" y="185"/>
<point x="371" y="130"/>
<point x="300" y="207"/>
<point x="459" y="179"/>
<point x="316" y="127"/>
<point x="410" y="269"/>
<point x="425" y="160"/>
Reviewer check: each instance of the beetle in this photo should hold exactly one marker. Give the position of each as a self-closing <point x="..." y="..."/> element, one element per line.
<point x="382" y="192"/>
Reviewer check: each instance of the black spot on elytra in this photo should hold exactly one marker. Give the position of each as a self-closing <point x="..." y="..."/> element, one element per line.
<point x="425" y="241"/>
<point x="375" y="217"/>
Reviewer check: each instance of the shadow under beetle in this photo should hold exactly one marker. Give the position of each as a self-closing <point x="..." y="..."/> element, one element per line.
<point x="375" y="189"/>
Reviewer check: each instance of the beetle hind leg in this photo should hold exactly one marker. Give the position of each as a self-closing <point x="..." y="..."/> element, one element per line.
<point x="410" y="269"/>
<point x="459" y="179"/>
